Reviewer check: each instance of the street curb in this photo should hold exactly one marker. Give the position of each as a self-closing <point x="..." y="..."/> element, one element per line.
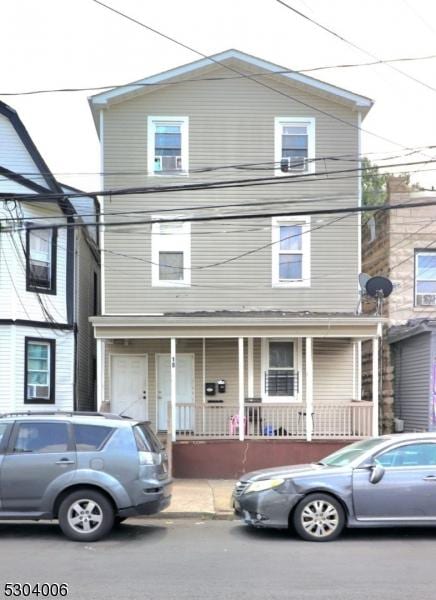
<point x="218" y="516"/>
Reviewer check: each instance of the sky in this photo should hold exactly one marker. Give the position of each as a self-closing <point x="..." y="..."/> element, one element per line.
<point x="78" y="43"/>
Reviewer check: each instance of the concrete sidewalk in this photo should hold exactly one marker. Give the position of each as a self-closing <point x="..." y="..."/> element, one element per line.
<point x="207" y="498"/>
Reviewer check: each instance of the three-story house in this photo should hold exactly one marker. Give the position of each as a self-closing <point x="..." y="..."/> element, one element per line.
<point x="228" y="309"/>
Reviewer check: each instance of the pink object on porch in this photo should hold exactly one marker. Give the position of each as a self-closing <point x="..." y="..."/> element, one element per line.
<point x="234" y="424"/>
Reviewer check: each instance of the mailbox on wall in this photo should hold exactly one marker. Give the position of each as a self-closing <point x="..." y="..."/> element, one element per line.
<point x="221" y="386"/>
<point x="210" y="389"/>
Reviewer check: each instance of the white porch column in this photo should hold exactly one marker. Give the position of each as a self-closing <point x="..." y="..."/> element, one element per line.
<point x="375" y="367"/>
<point x="173" y="389"/>
<point x="309" y="389"/>
<point x="100" y="373"/>
<point x="241" y="388"/>
<point x="250" y="367"/>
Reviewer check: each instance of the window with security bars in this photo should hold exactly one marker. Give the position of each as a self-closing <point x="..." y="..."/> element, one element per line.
<point x="281" y="378"/>
<point x="41" y="260"/>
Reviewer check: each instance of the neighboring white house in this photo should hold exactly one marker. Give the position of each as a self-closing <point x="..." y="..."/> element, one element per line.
<point x="48" y="282"/>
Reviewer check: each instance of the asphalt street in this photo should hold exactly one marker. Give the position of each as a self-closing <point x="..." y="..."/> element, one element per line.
<point x="192" y="559"/>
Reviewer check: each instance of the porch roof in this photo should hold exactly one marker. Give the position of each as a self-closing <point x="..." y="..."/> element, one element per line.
<point x="230" y="324"/>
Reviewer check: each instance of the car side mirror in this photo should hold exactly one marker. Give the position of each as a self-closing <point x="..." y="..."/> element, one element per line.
<point x="377" y="472"/>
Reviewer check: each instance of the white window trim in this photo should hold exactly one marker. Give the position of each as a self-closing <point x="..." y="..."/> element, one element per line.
<point x="151" y="126"/>
<point x="278" y="124"/>
<point x="298" y="366"/>
<point x="304" y="282"/>
<point x="419" y="253"/>
<point x="180" y="242"/>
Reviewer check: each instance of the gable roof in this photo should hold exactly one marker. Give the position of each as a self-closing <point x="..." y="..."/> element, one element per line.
<point x="51" y="184"/>
<point x="102" y="99"/>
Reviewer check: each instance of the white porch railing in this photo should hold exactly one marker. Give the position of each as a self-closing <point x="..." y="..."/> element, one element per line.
<point x="329" y="421"/>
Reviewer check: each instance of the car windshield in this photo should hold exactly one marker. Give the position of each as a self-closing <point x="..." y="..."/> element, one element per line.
<point x="347" y="455"/>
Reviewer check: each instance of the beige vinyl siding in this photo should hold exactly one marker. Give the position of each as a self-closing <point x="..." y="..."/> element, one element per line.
<point x="230" y="122"/>
<point x="333" y="371"/>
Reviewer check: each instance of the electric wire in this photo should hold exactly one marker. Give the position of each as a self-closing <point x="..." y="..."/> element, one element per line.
<point x="353" y="45"/>
<point x="140" y="84"/>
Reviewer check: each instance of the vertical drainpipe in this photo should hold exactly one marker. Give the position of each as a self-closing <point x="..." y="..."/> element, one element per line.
<point x="102" y="231"/>
<point x="359" y="255"/>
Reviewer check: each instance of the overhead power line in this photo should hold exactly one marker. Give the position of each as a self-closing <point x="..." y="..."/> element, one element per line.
<point x="353" y="45"/>
<point x="140" y="84"/>
<point x="248" y="166"/>
<point x="217" y="184"/>
<point x="234" y="216"/>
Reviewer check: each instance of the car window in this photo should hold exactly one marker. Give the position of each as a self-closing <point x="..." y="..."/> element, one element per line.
<point x="146" y="439"/>
<point x="3" y="428"/>
<point x="41" y="438"/>
<point x="347" y="455"/>
<point x="410" y="455"/>
<point x="91" y="437"/>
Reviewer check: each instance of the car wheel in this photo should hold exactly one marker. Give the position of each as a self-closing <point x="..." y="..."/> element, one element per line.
<point x="86" y="516"/>
<point x="319" y="518"/>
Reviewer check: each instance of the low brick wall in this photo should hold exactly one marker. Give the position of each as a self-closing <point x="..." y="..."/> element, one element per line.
<point x="229" y="459"/>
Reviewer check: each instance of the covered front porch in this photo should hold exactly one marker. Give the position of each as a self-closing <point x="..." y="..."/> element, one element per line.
<point x="240" y="377"/>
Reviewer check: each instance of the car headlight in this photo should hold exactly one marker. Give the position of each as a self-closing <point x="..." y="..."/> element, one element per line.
<point x="264" y="484"/>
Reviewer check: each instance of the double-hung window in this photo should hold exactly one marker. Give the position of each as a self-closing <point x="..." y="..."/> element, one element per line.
<point x="171" y="254"/>
<point x="291" y="252"/>
<point x="167" y="146"/>
<point x="39" y="371"/>
<point x="294" y="145"/>
<point x="425" y="279"/>
<point x="41" y="260"/>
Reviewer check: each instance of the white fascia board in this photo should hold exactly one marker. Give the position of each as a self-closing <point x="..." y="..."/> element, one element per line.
<point x="100" y="100"/>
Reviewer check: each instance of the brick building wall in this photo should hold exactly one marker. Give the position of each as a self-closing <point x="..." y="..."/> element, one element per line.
<point x="389" y="242"/>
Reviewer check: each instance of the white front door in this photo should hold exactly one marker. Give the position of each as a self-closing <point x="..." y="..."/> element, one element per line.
<point x="129" y="385"/>
<point x="184" y="389"/>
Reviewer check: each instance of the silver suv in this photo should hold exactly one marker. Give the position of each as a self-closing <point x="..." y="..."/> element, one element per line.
<point x="88" y="470"/>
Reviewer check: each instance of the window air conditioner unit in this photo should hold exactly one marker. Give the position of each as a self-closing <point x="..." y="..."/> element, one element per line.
<point x="37" y="391"/>
<point x="40" y="275"/>
<point x="426" y="299"/>
<point x="293" y="163"/>
<point x="168" y="163"/>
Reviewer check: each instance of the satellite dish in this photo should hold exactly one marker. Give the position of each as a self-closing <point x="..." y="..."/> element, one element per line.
<point x="379" y="287"/>
<point x="363" y="279"/>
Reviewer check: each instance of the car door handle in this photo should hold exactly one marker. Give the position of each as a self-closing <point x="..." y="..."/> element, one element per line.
<point x="65" y="461"/>
<point x="430" y="478"/>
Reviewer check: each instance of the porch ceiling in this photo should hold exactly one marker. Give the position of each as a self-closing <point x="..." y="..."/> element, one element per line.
<point x="237" y="324"/>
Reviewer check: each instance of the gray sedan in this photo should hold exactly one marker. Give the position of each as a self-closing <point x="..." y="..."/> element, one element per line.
<point x="377" y="482"/>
